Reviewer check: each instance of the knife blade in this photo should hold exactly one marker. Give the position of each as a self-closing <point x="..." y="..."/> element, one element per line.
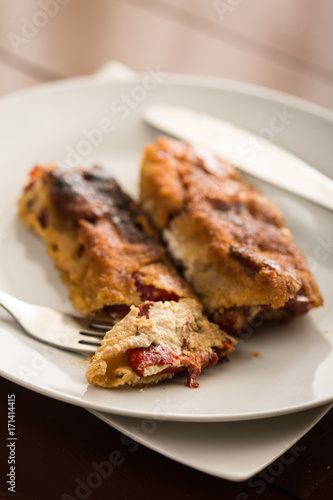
<point x="259" y="158"/>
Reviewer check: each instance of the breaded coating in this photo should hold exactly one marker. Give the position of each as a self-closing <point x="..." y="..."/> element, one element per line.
<point x="230" y="240"/>
<point x="156" y="340"/>
<point x="103" y="245"/>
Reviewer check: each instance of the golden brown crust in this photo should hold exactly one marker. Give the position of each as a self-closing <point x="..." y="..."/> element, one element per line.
<point x="231" y="239"/>
<point x="93" y="232"/>
<point x="176" y="334"/>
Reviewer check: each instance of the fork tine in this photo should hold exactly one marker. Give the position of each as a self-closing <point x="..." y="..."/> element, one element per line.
<point x="97" y="334"/>
<point x="101" y="325"/>
<point x="90" y="342"/>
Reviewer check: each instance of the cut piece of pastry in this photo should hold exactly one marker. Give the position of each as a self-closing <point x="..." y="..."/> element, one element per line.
<point x="110" y="257"/>
<point x="230" y="240"/>
<point x="156" y="340"/>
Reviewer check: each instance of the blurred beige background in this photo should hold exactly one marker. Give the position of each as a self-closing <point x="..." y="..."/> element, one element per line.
<point x="282" y="44"/>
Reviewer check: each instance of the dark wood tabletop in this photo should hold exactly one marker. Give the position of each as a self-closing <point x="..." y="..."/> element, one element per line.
<point x="283" y="45"/>
<point x="64" y="452"/>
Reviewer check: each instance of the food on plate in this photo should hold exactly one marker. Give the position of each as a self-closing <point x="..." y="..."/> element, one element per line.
<point x="156" y="340"/>
<point x="94" y="234"/>
<point x="229" y="239"/>
<point x="109" y="255"/>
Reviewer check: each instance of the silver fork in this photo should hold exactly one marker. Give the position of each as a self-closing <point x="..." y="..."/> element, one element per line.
<point x="54" y="327"/>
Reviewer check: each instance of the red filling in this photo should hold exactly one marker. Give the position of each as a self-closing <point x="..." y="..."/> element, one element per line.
<point x="149" y="295"/>
<point x="144" y="309"/>
<point x="298" y="305"/>
<point x="117" y="311"/>
<point x="143" y="357"/>
<point x="44" y="218"/>
<point x="150" y="292"/>
<point x="227" y="319"/>
<point x="33" y="174"/>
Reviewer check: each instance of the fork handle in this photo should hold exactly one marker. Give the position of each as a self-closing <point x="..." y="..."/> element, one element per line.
<point x="11" y="304"/>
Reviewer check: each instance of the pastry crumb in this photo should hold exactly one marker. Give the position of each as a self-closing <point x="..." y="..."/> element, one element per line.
<point x="255" y="354"/>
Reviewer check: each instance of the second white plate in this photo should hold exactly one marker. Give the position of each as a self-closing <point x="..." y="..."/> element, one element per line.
<point x="230" y="450"/>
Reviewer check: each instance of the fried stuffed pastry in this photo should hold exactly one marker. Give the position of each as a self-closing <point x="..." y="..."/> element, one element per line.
<point x="156" y="340"/>
<point x="229" y="239"/>
<point x="110" y="257"/>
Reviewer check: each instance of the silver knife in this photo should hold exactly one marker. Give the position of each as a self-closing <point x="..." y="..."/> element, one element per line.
<point x="244" y="150"/>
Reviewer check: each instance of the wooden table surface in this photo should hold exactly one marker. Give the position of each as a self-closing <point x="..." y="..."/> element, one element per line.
<point x="284" y="45"/>
<point x="59" y="445"/>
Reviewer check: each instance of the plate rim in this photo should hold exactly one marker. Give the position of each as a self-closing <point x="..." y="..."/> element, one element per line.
<point x="182" y="79"/>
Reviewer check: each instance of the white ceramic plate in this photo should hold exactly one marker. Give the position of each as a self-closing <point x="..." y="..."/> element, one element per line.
<point x="294" y="369"/>
<point x="231" y="450"/>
